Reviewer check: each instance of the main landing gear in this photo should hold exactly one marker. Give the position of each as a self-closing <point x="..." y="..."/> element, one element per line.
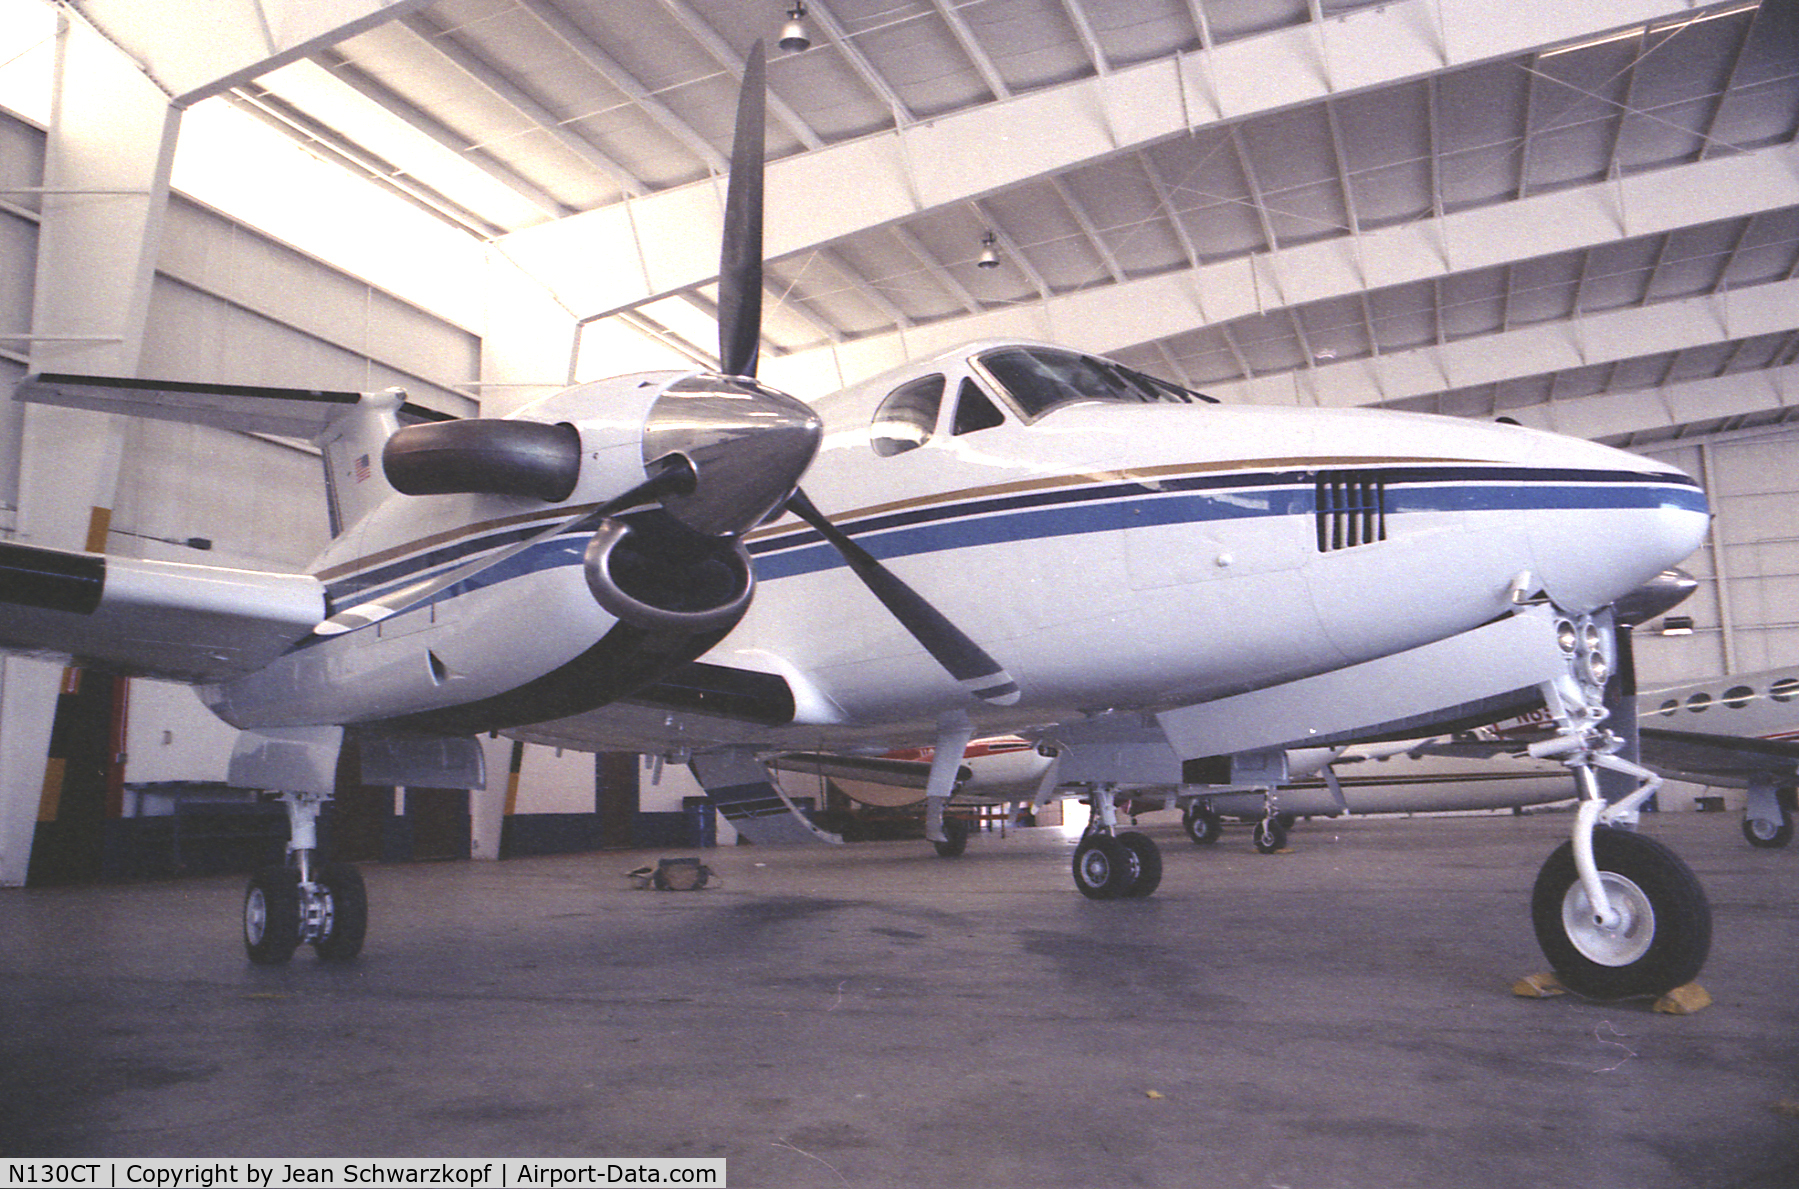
<point x="287" y="905"/>
<point x="1618" y="915"/>
<point x="1204" y="825"/>
<point x="1109" y="865"/>
<point x="1768" y="817"/>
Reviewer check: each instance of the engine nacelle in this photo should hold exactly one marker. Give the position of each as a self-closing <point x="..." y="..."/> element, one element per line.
<point x="655" y="573"/>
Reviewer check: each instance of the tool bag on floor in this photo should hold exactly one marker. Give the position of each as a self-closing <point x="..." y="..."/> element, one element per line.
<point x="673" y="875"/>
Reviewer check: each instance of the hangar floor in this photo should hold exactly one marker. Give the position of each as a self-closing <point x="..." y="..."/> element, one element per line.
<point x="1338" y="1016"/>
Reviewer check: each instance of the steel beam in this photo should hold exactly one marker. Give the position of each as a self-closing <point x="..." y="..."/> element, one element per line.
<point x="960" y="157"/>
<point x="195" y="51"/>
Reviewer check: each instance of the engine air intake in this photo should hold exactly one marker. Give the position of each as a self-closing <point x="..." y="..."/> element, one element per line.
<point x="485" y="456"/>
<point x="653" y="572"/>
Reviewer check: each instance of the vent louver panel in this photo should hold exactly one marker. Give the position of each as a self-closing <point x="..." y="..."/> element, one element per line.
<point x="1351" y="510"/>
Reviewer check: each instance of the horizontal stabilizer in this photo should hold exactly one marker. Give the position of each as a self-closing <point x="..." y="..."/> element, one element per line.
<point x="285" y="412"/>
<point x="171" y="620"/>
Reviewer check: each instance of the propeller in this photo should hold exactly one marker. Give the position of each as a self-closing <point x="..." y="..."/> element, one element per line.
<point x="1660" y="594"/>
<point x="965" y="660"/>
<point x="740" y="259"/>
<point x="739" y="340"/>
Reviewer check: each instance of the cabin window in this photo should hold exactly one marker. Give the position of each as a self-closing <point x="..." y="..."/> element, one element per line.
<point x="1784" y="690"/>
<point x="1698" y="702"/>
<point x="908" y="415"/>
<point x="1738" y="696"/>
<point x="1044" y="378"/>
<point x="975" y="410"/>
<point x="1670" y="707"/>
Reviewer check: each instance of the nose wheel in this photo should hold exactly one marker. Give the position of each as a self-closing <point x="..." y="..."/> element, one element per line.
<point x="1618" y="914"/>
<point x="1660" y="928"/>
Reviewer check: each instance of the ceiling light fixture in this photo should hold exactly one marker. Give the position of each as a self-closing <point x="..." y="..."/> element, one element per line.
<point x="794" y="37"/>
<point x="989" y="257"/>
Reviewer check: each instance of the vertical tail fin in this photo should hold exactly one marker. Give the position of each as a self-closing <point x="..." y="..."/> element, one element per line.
<point x="351" y="442"/>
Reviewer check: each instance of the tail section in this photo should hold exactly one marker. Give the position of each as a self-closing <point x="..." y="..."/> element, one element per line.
<point x="350" y="427"/>
<point x="352" y="442"/>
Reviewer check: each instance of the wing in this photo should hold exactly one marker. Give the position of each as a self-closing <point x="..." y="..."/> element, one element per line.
<point x="172" y="620"/>
<point x="1717" y="758"/>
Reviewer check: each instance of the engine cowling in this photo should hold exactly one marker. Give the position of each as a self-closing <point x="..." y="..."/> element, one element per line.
<point x="655" y="573"/>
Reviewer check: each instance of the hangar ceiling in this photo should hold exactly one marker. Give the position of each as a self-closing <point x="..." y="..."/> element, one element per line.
<point x="1593" y="225"/>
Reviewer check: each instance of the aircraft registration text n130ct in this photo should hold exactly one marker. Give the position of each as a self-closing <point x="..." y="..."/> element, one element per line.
<point x="289" y="1174"/>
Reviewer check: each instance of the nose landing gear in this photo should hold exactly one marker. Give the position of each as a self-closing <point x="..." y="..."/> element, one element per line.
<point x="1618" y="915"/>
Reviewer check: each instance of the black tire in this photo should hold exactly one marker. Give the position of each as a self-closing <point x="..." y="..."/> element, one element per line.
<point x="272" y="916"/>
<point x="1104" y="868"/>
<point x="1768" y="836"/>
<point x="1149" y="864"/>
<point x="1667" y="931"/>
<point x="349" y="913"/>
<point x="1202" y="825"/>
<point x="1270" y="836"/>
<point x="955" y="838"/>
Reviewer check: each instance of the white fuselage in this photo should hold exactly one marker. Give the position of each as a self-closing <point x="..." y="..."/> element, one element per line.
<point x="1110" y="556"/>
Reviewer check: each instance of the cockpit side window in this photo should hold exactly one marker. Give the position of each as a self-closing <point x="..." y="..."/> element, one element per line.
<point x="908" y="415"/>
<point x="1043" y="378"/>
<point x="975" y="411"/>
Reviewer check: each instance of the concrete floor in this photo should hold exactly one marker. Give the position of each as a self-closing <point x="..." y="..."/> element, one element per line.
<point x="873" y="1016"/>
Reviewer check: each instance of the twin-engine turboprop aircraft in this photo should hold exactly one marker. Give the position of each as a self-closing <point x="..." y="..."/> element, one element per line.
<point x="1007" y="537"/>
<point x="1734" y="732"/>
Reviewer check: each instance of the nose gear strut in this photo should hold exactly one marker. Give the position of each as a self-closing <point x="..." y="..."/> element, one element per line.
<point x="1617" y="914"/>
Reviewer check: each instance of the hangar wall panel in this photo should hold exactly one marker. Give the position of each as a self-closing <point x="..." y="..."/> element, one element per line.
<point x="21" y="167"/>
<point x="1746" y="611"/>
<point x="237" y="267"/>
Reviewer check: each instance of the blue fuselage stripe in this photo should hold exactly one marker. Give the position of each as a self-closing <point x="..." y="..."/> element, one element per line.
<point x="1123" y="506"/>
<point x="1076" y="511"/>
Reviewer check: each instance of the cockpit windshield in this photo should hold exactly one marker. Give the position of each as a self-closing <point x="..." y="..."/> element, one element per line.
<point x="1043" y="378"/>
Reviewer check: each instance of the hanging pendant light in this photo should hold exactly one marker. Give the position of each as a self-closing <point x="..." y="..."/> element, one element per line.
<point x="794" y="37"/>
<point x="989" y="257"/>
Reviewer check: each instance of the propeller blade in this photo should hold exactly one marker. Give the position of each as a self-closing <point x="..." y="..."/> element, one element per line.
<point x="965" y="660"/>
<point x="740" y="260"/>
<point x="675" y="476"/>
<point x="1621" y="704"/>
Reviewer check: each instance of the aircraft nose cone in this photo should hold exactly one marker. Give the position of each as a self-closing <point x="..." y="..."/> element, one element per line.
<point x="748" y="445"/>
<point x="1614" y="528"/>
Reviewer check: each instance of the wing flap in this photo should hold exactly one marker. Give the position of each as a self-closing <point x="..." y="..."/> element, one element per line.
<point x="171" y="620"/>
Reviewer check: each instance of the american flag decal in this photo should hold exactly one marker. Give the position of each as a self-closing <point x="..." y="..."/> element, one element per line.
<point x="361" y="469"/>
